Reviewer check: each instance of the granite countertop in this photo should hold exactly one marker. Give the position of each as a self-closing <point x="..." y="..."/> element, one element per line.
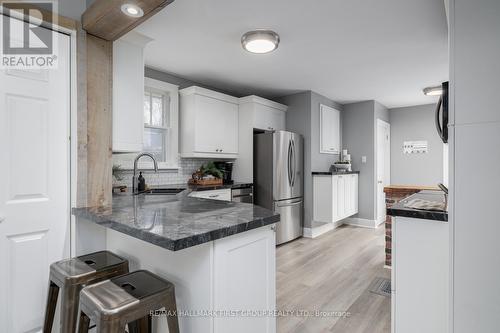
<point x="412" y="187"/>
<point x="184" y="186"/>
<point x="176" y="222"/>
<point x="325" y="173"/>
<point x="399" y="208"/>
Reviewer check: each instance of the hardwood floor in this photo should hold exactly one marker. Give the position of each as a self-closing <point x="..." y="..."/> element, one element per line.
<point x="333" y="273"/>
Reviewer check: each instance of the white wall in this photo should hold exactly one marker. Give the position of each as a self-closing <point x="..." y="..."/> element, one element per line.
<point x="475" y="156"/>
<point x="415" y="123"/>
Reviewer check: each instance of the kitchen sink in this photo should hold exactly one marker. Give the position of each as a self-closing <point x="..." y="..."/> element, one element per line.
<point x="163" y="191"/>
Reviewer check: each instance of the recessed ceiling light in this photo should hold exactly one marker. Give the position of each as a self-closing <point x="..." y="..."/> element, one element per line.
<point x="433" y="91"/>
<point x="132" y="10"/>
<point x="260" y="41"/>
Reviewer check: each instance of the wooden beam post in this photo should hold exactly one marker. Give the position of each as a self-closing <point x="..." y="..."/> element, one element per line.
<point x="99" y="121"/>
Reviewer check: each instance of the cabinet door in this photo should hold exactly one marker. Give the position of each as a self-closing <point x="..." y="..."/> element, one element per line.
<point x="268" y="119"/>
<point x="216" y="126"/>
<point x="354" y="193"/>
<point x="348" y="189"/>
<point x="248" y="257"/>
<point x="341" y="196"/>
<point x="128" y="96"/>
<point x="335" y="198"/>
<point x="329" y="130"/>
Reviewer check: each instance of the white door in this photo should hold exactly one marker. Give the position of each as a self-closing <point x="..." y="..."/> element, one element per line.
<point x="34" y="187"/>
<point x="383" y="166"/>
<point x="248" y="257"/>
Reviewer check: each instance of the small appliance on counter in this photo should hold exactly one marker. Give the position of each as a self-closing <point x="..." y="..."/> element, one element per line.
<point x="227" y="170"/>
<point x="344" y="165"/>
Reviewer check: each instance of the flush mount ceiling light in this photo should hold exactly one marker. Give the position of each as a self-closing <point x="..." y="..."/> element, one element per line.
<point x="433" y="91"/>
<point x="132" y="10"/>
<point x="260" y="41"/>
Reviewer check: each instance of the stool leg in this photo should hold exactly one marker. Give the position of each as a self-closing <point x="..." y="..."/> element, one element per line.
<point x="172" y="318"/>
<point x="110" y="326"/>
<point x="142" y="325"/>
<point x="69" y="307"/>
<point x="50" y="309"/>
<point x="83" y="323"/>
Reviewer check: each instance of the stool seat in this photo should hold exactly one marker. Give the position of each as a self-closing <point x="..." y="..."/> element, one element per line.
<point x="71" y="275"/>
<point x="114" y="303"/>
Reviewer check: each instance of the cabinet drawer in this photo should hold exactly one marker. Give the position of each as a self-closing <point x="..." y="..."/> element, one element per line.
<point x="223" y="195"/>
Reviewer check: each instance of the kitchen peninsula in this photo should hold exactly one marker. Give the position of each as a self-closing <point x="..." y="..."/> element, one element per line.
<point x="219" y="255"/>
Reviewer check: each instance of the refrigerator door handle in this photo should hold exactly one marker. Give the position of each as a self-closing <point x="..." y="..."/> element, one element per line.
<point x="294" y="163"/>
<point x="289" y="163"/>
<point x="437" y="120"/>
<point x="293" y="203"/>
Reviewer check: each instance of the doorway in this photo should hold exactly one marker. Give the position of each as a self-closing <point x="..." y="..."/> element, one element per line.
<point x="383" y="172"/>
<point x="35" y="185"/>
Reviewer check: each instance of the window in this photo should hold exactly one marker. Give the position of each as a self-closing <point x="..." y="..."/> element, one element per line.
<point x="156" y="123"/>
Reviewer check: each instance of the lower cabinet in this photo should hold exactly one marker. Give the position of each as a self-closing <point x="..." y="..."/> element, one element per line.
<point x="335" y="197"/>
<point x="420" y="275"/>
<point x="245" y="280"/>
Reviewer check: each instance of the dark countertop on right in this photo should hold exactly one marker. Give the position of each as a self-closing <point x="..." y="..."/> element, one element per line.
<point x="333" y="173"/>
<point x="399" y="208"/>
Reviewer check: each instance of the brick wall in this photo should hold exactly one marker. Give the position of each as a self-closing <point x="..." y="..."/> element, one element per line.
<point x="392" y="196"/>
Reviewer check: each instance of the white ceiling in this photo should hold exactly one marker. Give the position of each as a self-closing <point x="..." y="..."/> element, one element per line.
<point x="347" y="50"/>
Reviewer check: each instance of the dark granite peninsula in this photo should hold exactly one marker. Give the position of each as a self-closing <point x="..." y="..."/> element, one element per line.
<point x="428" y="205"/>
<point x="215" y="252"/>
<point x="176" y="222"/>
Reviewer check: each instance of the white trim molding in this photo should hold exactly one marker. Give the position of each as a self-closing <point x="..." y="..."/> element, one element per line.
<point x="320" y="228"/>
<point x="363" y="223"/>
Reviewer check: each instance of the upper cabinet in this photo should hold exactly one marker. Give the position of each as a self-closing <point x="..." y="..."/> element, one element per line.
<point x="255" y="113"/>
<point x="208" y="124"/>
<point x="266" y="115"/>
<point x="128" y="92"/>
<point x="329" y="130"/>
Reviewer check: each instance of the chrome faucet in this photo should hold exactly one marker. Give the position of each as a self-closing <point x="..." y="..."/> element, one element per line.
<point x="135" y="168"/>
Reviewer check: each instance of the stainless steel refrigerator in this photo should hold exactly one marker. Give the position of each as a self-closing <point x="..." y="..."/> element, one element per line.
<point x="278" y="179"/>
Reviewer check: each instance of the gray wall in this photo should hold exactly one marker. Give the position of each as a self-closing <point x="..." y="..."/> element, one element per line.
<point x="182" y="82"/>
<point x="359" y="138"/>
<point x="303" y="118"/>
<point x="415" y="123"/>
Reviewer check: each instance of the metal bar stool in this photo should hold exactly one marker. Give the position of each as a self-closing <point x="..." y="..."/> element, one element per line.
<point x="71" y="276"/>
<point x="129" y="298"/>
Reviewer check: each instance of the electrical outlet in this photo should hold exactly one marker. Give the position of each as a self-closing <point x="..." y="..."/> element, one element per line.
<point x="363" y="159"/>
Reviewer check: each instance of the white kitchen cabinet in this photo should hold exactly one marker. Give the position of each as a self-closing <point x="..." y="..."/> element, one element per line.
<point x="248" y="258"/>
<point x="222" y="194"/>
<point x="420" y="275"/>
<point x="255" y="113"/>
<point x="329" y="130"/>
<point x="335" y="197"/>
<point x="208" y="124"/>
<point x="128" y="92"/>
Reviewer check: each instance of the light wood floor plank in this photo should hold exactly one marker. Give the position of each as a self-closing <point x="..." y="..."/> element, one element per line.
<point x="333" y="273"/>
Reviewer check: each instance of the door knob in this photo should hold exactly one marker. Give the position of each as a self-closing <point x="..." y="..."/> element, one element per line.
<point x="2" y="218"/>
<point x="380" y="182"/>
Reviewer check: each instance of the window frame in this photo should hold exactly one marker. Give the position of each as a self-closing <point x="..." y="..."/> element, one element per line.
<point x="172" y="131"/>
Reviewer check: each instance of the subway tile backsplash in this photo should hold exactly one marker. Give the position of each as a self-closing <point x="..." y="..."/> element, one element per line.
<point x="180" y="176"/>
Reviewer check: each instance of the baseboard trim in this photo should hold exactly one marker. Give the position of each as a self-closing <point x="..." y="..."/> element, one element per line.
<point x="321" y="229"/>
<point x="359" y="222"/>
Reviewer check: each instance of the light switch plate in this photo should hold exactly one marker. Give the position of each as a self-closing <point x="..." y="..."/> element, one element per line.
<point x="363" y="159"/>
